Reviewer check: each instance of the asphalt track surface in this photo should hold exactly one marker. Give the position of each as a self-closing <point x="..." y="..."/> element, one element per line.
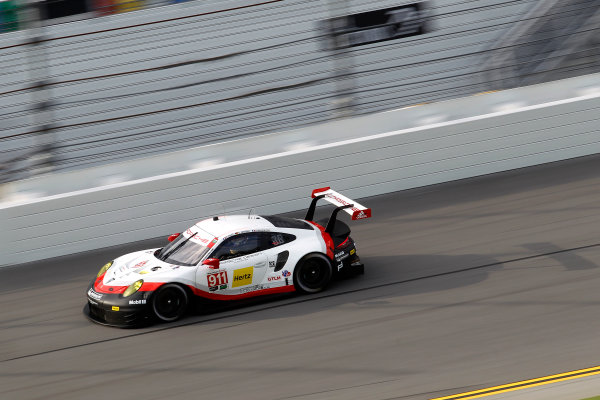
<point x="468" y="285"/>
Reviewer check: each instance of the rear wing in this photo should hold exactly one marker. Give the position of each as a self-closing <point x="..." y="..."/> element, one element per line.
<point x="356" y="211"/>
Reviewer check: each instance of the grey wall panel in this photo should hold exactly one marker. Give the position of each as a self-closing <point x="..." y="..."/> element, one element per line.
<point x="282" y="182"/>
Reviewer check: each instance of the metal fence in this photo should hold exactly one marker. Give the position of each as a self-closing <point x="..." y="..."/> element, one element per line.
<point x="123" y="86"/>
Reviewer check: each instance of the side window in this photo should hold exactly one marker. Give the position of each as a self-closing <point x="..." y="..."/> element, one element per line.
<point x="239" y="245"/>
<point x="277" y="239"/>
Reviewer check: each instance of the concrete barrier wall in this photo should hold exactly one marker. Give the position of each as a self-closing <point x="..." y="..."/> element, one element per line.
<point x="371" y="165"/>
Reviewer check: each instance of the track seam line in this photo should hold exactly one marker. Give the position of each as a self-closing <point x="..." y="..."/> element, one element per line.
<point x="307" y="299"/>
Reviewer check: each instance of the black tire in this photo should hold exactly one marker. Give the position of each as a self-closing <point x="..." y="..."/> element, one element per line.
<point x="313" y="273"/>
<point x="169" y="302"/>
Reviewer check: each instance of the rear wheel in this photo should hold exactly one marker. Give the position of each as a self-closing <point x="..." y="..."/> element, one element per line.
<point x="312" y="274"/>
<point x="170" y="302"/>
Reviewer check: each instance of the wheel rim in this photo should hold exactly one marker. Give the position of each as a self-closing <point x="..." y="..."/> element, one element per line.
<point x="314" y="274"/>
<point x="170" y="303"/>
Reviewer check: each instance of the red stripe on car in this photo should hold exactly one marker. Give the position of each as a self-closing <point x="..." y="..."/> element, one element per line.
<point x="326" y="238"/>
<point x="102" y="288"/>
<point x="343" y="243"/>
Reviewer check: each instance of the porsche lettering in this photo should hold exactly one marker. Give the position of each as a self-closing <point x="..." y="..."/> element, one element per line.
<point x="94" y="295"/>
<point x="252" y="288"/>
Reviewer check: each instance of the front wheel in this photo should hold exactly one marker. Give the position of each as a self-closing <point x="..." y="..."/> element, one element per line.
<point x="169" y="303"/>
<point x="312" y="274"/>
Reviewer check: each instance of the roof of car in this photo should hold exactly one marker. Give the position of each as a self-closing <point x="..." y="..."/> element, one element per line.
<point x="225" y="225"/>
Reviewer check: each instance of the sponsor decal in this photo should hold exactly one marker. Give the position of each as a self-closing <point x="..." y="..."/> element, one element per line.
<point x="92" y="302"/>
<point x="212" y="243"/>
<point x="137" y="302"/>
<point x="360" y="215"/>
<point x="252" y="288"/>
<point x="249" y="256"/>
<point x="277" y="239"/>
<point x="143" y="272"/>
<point x="341" y="255"/>
<point x="217" y="280"/>
<point x="340" y="265"/>
<point x="94" y="295"/>
<point x="352" y="251"/>
<point x="272" y="264"/>
<point x="140" y="264"/>
<point x="240" y="259"/>
<point x="286" y="273"/>
<point x="242" y="277"/>
<point x="274" y="278"/>
<point x="115" y="308"/>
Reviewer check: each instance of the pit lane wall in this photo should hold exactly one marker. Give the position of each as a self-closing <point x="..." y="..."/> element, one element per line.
<point x="276" y="183"/>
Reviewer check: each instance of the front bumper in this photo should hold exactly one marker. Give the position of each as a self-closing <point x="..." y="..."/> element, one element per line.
<point x="115" y="310"/>
<point x="104" y="317"/>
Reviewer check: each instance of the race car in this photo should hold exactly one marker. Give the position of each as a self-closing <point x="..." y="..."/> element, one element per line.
<point x="227" y="258"/>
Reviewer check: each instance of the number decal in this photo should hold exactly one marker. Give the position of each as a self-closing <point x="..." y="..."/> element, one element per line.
<point x="217" y="280"/>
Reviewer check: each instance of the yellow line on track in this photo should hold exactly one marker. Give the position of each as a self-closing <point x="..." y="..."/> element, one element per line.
<point x="545" y="380"/>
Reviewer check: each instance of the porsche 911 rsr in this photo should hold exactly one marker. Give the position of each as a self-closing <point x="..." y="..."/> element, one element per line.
<point x="227" y="258"/>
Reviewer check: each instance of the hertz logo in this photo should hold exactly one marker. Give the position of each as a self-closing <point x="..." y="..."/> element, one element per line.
<point x="242" y="277"/>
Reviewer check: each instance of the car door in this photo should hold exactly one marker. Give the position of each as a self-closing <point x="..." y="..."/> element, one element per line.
<point x="243" y="258"/>
<point x="278" y="254"/>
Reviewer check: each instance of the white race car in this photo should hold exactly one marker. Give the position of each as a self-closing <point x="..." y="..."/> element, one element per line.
<point x="227" y="258"/>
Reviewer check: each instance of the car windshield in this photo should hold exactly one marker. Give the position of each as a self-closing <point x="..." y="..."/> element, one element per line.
<point x="182" y="251"/>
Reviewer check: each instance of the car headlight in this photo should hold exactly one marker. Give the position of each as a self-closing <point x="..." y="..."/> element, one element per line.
<point x="134" y="287"/>
<point x="104" y="268"/>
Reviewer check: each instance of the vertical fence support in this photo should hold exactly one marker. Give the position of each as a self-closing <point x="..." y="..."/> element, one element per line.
<point x="43" y="159"/>
<point x="343" y="104"/>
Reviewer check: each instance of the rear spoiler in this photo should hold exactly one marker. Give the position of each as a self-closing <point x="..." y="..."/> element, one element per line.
<point x="341" y="202"/>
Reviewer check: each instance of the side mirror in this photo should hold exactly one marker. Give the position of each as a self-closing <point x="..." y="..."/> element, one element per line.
<point x="173" y="237"/>
<point x="212" y="263"/>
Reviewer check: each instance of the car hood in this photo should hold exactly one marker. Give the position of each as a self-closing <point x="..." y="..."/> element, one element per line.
<point x="139" y="265"/>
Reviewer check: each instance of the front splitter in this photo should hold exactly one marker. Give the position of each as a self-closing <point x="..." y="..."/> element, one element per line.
<point x="93" y="318"/>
